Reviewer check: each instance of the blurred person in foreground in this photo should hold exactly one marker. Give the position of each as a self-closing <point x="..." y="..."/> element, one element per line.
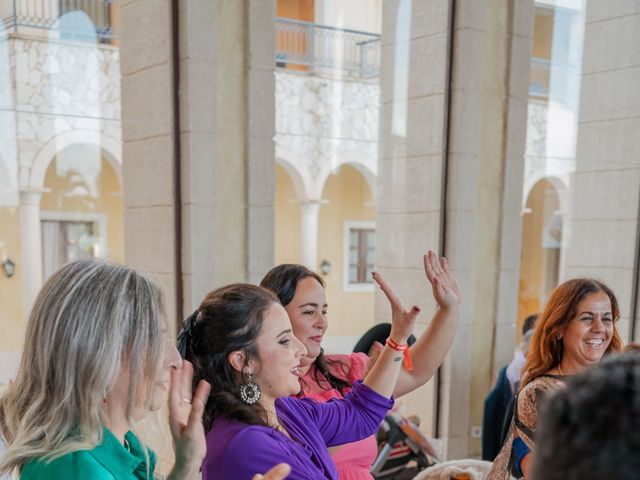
<point x="576" y="329"/>
<point x="591" y="429"/>
<point x="97" y="358"/>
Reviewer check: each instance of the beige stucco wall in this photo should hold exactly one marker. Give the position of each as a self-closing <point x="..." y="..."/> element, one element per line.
<point x="603" y="219"/>
<point x="287" y="219"/>
<point x="109" y="202"/>
<point x="487" y="122"/>
<point x="542" y="34"/>
<point x="11" y="315"/>
<point x="536" y="281"/>
<point x="348" y="198"/>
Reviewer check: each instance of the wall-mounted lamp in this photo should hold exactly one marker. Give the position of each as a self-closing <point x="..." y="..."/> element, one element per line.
<point x="9" y="268"/>
<point x="325" y="267"/>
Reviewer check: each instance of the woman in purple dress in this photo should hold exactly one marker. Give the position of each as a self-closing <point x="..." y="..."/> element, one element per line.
<point x="240" y="339"/>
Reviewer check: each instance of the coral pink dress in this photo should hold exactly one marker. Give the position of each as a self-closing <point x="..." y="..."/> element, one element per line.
<point x="353" y="460"/>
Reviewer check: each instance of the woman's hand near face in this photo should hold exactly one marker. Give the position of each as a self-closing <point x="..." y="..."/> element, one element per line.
<point x="185" y="420"/>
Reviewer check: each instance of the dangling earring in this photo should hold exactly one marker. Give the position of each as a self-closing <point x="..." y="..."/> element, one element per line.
<point x="250" y="391"/>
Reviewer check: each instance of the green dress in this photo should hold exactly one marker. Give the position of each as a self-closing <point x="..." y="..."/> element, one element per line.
<point x="108" y="461"/>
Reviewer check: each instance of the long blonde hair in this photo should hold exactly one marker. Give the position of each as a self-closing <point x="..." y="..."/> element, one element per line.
<point x="89" y="320"/>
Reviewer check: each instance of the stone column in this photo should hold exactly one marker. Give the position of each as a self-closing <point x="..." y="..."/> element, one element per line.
<point x="227" y="123"/>
<point x="30" y="233"/>
<point x="481" y="113"/>
<point x="310" y="212"/>
<point x="260" y="130"/>
<point x="412" y="122"/>
<point x="606" y="184"/>
<point x="489" y="95"/>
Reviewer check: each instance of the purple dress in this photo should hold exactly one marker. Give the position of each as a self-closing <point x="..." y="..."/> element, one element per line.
<point x="237" y="451"/>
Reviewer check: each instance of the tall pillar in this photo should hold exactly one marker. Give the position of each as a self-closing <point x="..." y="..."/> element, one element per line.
<point x="214" y="226"/>
<point x="489" y="98"/>
<point x="605" y="187"/>
<point x="455" y="102"/>
<point x="31" y="237"/>
<point x="310" y="214"/>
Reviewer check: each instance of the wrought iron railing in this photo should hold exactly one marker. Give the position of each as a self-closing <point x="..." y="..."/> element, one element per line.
<point x="554" y="81"/>
<point x="315" y="48"/>
<point x="25" y="15"/>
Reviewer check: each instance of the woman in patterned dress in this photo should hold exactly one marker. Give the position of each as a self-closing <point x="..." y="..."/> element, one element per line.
<point x="576" y="329"/>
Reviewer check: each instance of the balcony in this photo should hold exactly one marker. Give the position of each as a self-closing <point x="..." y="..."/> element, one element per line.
<point x="323" y="50"/>
<point x="81" y="20"/>
<point x="539" y="78"/>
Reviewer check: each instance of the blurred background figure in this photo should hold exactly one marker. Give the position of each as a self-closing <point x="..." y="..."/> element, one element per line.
<point x="498" y="406"/>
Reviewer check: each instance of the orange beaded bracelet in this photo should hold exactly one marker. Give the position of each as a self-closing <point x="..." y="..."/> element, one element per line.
<point x="404" y="348"/>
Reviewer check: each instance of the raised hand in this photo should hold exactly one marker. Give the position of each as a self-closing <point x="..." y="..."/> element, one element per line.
<point x="279" y="472"/>
<point x="185" y="420"/>
<point x="444" y="285"/>
<point x="402" y="321"/>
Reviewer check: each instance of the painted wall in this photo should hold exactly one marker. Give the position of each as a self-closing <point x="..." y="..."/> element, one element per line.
<point x="536" y="278"/>
<point x="106" y="198"/>
<point x="348" y="196"/>
<point x="287" y="219"/>
<point x="364" y="15"/>
<point x="542" y="33"/>
<point x="295" y="9"/>
<point x="11" y="315"/>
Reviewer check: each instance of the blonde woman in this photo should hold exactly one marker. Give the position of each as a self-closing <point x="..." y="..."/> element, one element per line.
<point x="97" y="358"/>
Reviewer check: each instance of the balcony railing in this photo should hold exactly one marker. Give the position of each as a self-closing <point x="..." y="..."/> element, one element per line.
<point x="539" y="76"/>
<point x="314" y="48"/>
<point x="62" y="16"/>
<point x="553" y="81"/>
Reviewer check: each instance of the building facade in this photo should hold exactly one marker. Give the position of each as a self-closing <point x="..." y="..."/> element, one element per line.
<point x="207" y="140"/>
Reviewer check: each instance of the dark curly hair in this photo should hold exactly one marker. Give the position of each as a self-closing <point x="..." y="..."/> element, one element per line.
<point x="591" y="428"/>
<point x="283" y="281"/>
<point x="228" y="319"/>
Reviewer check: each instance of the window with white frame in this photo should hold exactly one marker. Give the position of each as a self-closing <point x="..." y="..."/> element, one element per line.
<point x="70" y="236"/>
<point x="359" y="258"/>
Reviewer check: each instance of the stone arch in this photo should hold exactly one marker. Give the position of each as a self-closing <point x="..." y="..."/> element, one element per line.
<point x="299" y="178"/>
<point x="560" y="184"/>
<point x="356" y="161"/>
<point x="109" y="147"/>
<point x="542" y="237"/>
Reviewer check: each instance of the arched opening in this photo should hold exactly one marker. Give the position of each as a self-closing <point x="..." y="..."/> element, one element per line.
<point x="542" y="227"/>
<point x="82" y="213"/>
<point x="346" y="240"/>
